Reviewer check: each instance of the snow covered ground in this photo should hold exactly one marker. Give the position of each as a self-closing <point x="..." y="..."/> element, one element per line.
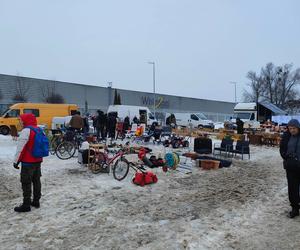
<point x="242" y="207"/>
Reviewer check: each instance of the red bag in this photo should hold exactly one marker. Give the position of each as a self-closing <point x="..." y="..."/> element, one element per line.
<point x="139" y="179"/>
<point x="143" y="179"/>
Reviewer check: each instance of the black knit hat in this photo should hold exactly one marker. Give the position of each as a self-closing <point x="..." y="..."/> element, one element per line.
<point x="294" y="123"/>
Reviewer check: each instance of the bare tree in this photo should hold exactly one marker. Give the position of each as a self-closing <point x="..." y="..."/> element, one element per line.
<point x="276" y="84"/>
<point x="256" y="88"/>
<point x="21" y="90"/>
<point x="49" y="93"/>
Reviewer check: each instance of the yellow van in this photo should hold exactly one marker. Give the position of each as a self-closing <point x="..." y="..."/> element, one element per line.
<point x="44" y="113"/>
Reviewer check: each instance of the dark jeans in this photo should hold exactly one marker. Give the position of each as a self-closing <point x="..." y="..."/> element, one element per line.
<point x="293" y="178"/>
<point x="101" y="133"/>
<point x="30" y="176"/>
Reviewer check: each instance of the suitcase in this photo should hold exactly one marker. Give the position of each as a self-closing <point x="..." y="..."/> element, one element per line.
<point x="203" y="145"/>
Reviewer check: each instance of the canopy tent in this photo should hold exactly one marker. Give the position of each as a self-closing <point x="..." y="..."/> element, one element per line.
<point x="275" y="110"/>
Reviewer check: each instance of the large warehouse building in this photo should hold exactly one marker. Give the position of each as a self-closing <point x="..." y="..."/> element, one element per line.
<point x="90" y="98"/>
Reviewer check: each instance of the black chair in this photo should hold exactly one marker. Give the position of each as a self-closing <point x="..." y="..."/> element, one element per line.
<point x="203" y="145"/>
<point x="225" y="146"/>
<point x="242" y="148"/>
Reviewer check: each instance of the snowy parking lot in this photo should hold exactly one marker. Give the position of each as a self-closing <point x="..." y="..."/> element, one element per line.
<point x="241" y="207"/>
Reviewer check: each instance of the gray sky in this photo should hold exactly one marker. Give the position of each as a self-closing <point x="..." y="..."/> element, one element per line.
<point x="199" y="46"/>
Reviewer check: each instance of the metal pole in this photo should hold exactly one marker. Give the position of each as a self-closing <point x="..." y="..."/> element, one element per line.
<point x="154" y="88"/>
<point x="235" y="97"/>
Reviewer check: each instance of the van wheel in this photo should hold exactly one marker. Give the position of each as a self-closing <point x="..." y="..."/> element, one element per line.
<point x="4" y="130"/>
<point x="200" y="127"/>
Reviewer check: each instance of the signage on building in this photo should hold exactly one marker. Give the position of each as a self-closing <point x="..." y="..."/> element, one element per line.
<point x="160" y="102"/>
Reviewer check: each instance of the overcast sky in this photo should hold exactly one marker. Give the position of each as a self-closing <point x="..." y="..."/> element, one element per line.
<point x="198" y="46"/>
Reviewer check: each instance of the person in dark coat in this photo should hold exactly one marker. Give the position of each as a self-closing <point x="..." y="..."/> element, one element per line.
<point x="135" y="120"/>
<point x="126" y="124"/>
<point x="111" y="125"/>
<point x="100" y="125"/>
<point x="240" y="126"/>
<point x="290" y="152"/>
<point x="86" y="125"/>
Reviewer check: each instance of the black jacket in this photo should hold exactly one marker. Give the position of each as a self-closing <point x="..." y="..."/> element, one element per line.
<point x="284" y="145"/>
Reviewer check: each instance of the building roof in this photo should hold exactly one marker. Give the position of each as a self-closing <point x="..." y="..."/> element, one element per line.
<point x="273" y="108"/>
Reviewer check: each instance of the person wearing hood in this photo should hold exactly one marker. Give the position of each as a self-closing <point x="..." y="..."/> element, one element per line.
<point x="30" y="166"/>
<point x="290" y="152"/>
<point x="240" y="126"/>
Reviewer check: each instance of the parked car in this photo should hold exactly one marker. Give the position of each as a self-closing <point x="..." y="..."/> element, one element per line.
<point x="196" y="120"/>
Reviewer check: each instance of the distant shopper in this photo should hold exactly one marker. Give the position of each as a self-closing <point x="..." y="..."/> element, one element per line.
<point x="86" y="125"/>
<point x="143" y="118"/>
<point x="135" y="120"/>
<point x="240" y="126"/>
<point x="171" y="121"/>
<point x="111" y="125"/>
<point x="290" y="152"/>
<point x="30" y="165"/>
<point x="100" y="125"/>
<point x="76" y="123"/>
<point x="126" y="124"/>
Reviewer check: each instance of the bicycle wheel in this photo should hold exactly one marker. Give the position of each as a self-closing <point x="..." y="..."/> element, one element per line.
<point x="98" y="164"/>
<point x="120" y="169"/>
<point x="55" y="141"/>
<point x="65" y="150"/>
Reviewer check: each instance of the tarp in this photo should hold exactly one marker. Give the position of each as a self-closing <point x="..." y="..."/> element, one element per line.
<point x="284" y="119"/>
<point x="275" y="110"/>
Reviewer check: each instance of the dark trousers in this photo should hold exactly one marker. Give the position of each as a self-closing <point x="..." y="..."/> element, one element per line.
<point x="101" y="133"/>
<point x="112" y="132"/>
<point x="30" y="176"/>
<point x="293" y="178"/>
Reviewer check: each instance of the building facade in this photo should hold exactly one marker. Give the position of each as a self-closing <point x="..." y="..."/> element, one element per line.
<point x="91" y="98"/>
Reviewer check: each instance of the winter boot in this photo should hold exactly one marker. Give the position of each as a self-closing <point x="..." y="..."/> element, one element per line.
<point x="35" y="204"/>
<point x="294" y="213"/>
<point x="22" y="208"/>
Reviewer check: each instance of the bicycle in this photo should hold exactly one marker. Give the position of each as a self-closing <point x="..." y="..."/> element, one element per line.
<point x="101" y="162"/>
<point x="70" y="143"/>
<point x="56" y="139"/>
<point x="120" y="171"/>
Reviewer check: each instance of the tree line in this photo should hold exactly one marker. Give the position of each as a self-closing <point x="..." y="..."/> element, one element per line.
<point x="275" y="84"/>
<point x="21" y="90"/>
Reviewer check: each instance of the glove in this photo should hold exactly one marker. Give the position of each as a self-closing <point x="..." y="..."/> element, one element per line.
<point x="16" y="165"/>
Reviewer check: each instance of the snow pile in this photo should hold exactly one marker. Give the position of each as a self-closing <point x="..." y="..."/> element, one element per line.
<point x="242" y="207"/>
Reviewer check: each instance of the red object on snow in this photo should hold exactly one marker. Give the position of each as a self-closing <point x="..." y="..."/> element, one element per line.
<point x="143" y="179"/>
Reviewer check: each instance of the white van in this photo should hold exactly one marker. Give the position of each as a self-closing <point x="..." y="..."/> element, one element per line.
<point x="197" y="120"/>
<point x="133" y="111"/>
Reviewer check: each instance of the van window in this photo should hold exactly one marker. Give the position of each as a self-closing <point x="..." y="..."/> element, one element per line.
<point x="151" y="116"/>
<point x="12" y="113"/>
<point x="194" y="117"/>
<point x="36" y="112"/>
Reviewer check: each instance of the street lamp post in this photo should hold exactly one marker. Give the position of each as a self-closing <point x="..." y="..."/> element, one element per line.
<point x="235" y="83"/>
<point x="154" y="87"/>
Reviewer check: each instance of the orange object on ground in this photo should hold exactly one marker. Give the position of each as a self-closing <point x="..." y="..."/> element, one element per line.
<point x="209" y="164"/>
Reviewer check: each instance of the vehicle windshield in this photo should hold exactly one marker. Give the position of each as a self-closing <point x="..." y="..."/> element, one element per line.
<point x="202" y="116"/>
<point x="245" y="116"/>
<point x="4" y="113"/>
<point x="151" y="116"/>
